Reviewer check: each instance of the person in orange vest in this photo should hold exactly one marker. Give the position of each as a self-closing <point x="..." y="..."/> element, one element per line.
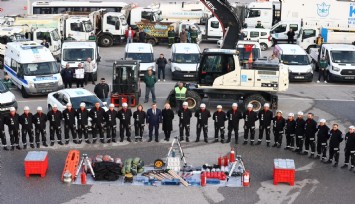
<point x="319" y="40"/>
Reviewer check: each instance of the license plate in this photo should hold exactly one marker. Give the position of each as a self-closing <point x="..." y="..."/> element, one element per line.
<point x="188" y="75"/>
<point x="349" y="78"/>
<point x="299" y="77"/>
<point x="141" y="74"/>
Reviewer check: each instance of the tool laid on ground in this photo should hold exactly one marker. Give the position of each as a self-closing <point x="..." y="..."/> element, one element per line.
<point x="71" y="165"/>
<point x="237" y="166"/>
<point x="87" y="164"/>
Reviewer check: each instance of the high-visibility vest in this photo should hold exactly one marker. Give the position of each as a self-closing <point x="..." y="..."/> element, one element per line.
<point x="180" y="94"/>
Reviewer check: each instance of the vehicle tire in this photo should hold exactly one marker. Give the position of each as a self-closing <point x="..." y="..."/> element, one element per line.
<point x="24" y="93"/>
<point x="193" y="99"/>
<point x="1" y="62"/>
<point x="257" y="100"/>
<point x="263" y="46"/>
<point x="151" y="41"/>
<point x="105" y="41"/>
<point x="329" y="77"/>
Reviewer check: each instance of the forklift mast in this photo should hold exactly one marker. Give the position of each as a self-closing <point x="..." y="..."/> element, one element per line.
<point x="226" y="15"/>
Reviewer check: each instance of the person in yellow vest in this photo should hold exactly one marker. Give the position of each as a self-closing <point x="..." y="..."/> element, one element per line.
<point x="180" y="95"/>
<point x="319" y="40"/>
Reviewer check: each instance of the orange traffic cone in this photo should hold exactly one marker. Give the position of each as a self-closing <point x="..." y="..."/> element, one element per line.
<point x="250" y="60"/>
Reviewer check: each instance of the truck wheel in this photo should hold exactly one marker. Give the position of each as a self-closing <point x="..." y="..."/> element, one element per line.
<point x="105" y="41"/>
<point x="24" y="93"/>
<point x="1" y="62"/>
<point x="193" y="99"/>
<point x="257" y="101"/>
<point x="263" y="46"/>
<point x="151" y="41"/>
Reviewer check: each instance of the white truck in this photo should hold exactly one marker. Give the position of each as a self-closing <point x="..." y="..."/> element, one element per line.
<point x="340" y="61"/>
<point x="267" y="12"/>
<point x="135" y="14"/>
<point x="213" y="30"/>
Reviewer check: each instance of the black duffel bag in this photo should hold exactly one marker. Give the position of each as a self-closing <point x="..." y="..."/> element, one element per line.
<point x="107" y="171"/>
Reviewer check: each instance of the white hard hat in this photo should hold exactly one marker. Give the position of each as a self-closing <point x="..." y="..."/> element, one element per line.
<point x="69" y="104"/>
<point x="12" y="109"/>
<point x="124" y="105"/>
<point x="291" y="115"/>
<point x="300" y="113"/>
<point x="55" y="106"/>
<point x="203" y="105"/>
<point x="26" y="108"/>
<point x="279" y="111"/>
<point x="322" y="121"/>
<point x="82" y="104"/>
<point x="250" y="105"/>
<point x="185" y="104"/>
<point x="235" y="105"/>
<point x="219" y="107"/>
<point x="352" y="127"/>
<point x="111" y="105"/>
<point x="266" y="105"/>
<point x="39" y="108"/>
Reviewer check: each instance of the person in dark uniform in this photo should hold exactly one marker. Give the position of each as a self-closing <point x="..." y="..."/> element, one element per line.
<point x="336" y="137"/>
<point x="82" y="116"/>
<point x="219" y="118"/>
<point x="233" y="116"/>
<point x="153" y="119"/>
<point x="139" y="117"/>
<point x="55" y="118"/>
<point x="40" y="120"/>
<point x="125" y="115"/>
<point x="168" y="116"/>
<point x="202" y="116"/>
<point x="300" y="124"/>
<point x="97" y="115"/>
<point x="278" y="128"/>
<point x="2" y="133"/>
<point x="13" y="123"/>
<point x="250" y="117"/>
<point x="349" y="148"/>
<point x="111" y="123"/>
<point x="290" y="130"/>
<point x="265" y="118"/>
<point x="69" y="124"/>
<point x="322" y="140"/>
<point x="185" y="115"/>
<point x="310" y="131"/>
<point x="27" y="127"/>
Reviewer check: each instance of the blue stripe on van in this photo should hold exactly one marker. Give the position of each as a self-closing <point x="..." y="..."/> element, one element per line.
<point x="13" y="74"/>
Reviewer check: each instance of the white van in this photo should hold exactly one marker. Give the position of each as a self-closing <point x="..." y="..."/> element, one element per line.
<point x="75" y="52"/>
<point x="32" y="68"/>
<point x="298" y="62"/>
<point x="142" y="52"/>
<point x="261" y="35"/>
<point x="184" y="60"/>
<point x="279" y="30"/>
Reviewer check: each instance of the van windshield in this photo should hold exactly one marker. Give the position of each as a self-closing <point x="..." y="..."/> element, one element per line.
<point x="186" y="58"/>
<point x="143" y="57"/>
<point x="43" y="68"/>
<point x="244" y="55"/>
<point x="343" y="56"/>
<point x="78" y="54"/>
<point x="295" y="59"/>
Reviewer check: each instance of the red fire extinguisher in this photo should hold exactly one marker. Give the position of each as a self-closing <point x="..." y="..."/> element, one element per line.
<point x="225" y="161"/>
<point x="83" y="177"/>
<point x="220" y="161"/>
<point x="232" y="156"/>
<point x="203" y="179"/>
<point x="246" y="179"/>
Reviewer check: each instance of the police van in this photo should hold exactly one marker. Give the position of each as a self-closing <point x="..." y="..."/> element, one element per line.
<point x="142" y="52"/>
<point x="32" y="68"/>
<point x="184" y="60"/>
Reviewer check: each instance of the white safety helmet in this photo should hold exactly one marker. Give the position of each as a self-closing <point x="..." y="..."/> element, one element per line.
<point x="352" y="127"/>
<point x="26" y="108"/>
<point x="55" y="106"/>
<point x="111" y="105"/>
<point x="322" y="121"/>
<point x="291" y="115"/>
<point x="69" y="105"/>
<point x="82" y="104"/>
<point x="279" y="111"/>
<point x="124" y="105"/>
<point x="300" y="113"/>
<point x="39" y="108"/>
<point x="203" y="105"/>
<point x="12" y="109"/>
<point x="235" y="105"/>
<point x="219" y="107"/>
<point x="250" y="105"/>
<point x="267" y="105"/>
<point x="185" y="104"/>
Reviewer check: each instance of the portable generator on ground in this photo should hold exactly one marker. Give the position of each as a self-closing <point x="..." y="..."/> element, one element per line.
<point x="125" y="83"/>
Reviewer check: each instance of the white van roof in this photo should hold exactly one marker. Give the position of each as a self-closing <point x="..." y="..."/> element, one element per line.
<point x="185" y="48"/>
<point x="79" y="44"/>
<point x="290" y="49"/>
<point x="28" y="52"/>
<point x="139" y="48"/>
<point x="339" y="47"/>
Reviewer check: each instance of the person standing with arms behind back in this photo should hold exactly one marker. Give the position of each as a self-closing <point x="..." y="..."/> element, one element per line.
<point x="168" y="116"/>
<point x="101" y="90"/>
<point x="139" y="117"/>
<point x="183" y="36"/>
<point x="67" y="75"/>
<point x="290" y="36"/>
<point x="150" y="80"/>
<point x="79" y="75"/>
<point x="336" y="137"/>
<point x="153" y="119"/>
<point x="89" y="67"/>
<point x="233" y="115"/>
<point x="161" y="62"/>
<point x="202" y="116"/>
<point x="322" y="70"/>
<point x="265" y="118"/>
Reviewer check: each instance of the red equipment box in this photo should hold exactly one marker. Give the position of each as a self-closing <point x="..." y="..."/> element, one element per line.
<point x="36" y="162"/>
<point x="284" y="171"/>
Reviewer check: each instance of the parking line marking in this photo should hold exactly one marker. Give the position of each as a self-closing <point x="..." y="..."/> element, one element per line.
<point x="314" y="99"/>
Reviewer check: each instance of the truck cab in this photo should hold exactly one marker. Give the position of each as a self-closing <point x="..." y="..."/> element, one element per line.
<point x="77" y="27"/>
<point x="75" y="52"/>
<point x="268" y="12"/>
<point x="184" y="60"/>
<point x="32" y="68"/>
<point x="213" y="29"/>
<point x="143" y="52"/>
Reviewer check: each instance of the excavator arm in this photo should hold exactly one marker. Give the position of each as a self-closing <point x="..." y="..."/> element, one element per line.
<point x="226" y="15"/>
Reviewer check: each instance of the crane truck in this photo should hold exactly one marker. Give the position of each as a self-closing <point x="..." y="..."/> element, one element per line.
<point x="220" y="76"/>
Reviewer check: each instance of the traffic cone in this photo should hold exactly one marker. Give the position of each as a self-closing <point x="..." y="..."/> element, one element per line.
<point x="250" y="60"/>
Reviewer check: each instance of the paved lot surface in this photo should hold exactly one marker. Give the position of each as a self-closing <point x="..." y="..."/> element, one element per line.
<point x="315" y="182"/>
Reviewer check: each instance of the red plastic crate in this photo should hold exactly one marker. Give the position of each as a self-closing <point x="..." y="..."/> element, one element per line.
<point x="284" y="176"/>
<point x="36" y="167"/>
